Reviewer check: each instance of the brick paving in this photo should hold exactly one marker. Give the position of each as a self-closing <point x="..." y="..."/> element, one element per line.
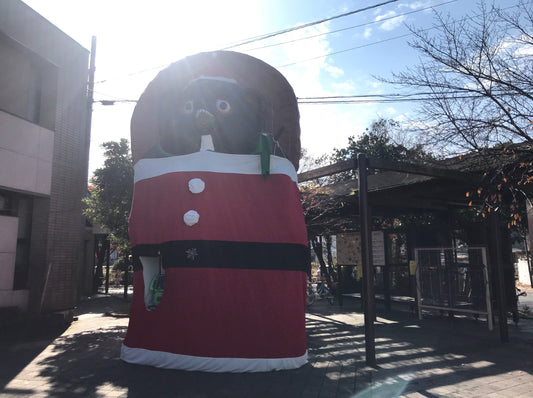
<point x="435" y="357"/>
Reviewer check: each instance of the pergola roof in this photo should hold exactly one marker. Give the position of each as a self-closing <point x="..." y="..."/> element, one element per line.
<point x="403" y="188"/>
<point x="389" y="193"/>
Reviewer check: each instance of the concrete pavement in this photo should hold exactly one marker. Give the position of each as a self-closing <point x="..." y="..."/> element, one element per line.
<point x="435" y="357"/>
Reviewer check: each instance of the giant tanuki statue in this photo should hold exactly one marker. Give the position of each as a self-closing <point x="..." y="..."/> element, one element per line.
<point x="216" y="225"/>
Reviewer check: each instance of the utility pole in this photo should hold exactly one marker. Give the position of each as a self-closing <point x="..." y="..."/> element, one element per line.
<point x="90" y="87"/>
<point x="88" y="120"/>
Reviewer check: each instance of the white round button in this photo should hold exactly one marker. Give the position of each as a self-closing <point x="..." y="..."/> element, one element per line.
<point x="196" y="185"/>
<point x="191" y="217"/>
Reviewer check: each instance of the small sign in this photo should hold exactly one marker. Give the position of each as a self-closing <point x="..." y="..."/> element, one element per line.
<point x="359" y="269"/>
<point x="378" y="248"/>
<point x="349" y="249"/>
<point x="412" y="267"/>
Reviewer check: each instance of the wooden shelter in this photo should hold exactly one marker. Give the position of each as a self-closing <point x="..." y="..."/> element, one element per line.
<point x="401" y="189"/>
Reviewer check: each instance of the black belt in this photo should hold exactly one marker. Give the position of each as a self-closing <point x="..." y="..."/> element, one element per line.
<point x="222" y="254"/>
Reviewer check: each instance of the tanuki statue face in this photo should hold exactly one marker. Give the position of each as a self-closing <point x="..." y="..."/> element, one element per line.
<point x="218" y="108"/>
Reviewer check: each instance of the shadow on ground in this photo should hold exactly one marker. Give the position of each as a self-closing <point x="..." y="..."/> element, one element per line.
<point x="22" y="340"/>
<point x="411" y="355"/>
<point x="87" y="364"/>
<point x="444" y="356"/>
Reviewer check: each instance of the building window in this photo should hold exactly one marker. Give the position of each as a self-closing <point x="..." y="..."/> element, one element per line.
<point x="21" y="206"/>
<point x="28" y="84"/>
<point x="22" y="259"/>
<point x="22" y="265"/>
<point x="7" y="205"/>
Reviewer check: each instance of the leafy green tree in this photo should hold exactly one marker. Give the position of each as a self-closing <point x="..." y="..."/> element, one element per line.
<point x="111" y="192"/>
<point x="319" y="196"/>
<point x="378" y="141"/>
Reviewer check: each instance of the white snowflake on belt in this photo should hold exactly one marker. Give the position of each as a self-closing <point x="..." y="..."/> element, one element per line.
<point x="192" y="253"/>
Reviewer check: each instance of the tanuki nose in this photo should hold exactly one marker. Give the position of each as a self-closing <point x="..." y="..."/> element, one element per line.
<point x="205" y="122"/>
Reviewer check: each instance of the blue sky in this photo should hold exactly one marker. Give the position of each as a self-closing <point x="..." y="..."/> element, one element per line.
<point x="136" y="39"/>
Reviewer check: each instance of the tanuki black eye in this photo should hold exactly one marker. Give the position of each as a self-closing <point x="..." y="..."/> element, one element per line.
<point x="223" y="106"/>
<point x="188" y="107"/>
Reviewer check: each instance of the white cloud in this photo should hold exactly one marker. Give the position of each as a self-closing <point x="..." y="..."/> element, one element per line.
<point x="415" y="5"/>
<point x="345" y="86"/>
<point x="520" y="47"/>
<point x="403" y="118"/>
<point x="325" y="128"/>
<point x="390" y="24"/>
<point x="367" y="33"/>
<point x="390" y="111"/>
<point x="388" y="14"/>
<point x="305" y="75"/>
<point x="334" y="71"/>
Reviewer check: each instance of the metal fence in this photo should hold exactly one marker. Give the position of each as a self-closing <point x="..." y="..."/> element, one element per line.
<point x="454" y="280"/>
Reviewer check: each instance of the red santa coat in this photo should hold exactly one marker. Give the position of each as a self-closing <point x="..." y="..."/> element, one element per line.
<point x="234" y="249"/>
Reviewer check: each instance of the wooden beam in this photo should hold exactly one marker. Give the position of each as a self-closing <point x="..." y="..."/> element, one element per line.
<point x="420" y="169"/>
<point x="390" y="165"/>
<point x="366" y="259"/>
<point x="339" y="167"/>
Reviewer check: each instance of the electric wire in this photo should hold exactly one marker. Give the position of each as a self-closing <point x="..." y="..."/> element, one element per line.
<point x="371" y="44"/>
<point x="348" y="28"/>
<point x="268" y="35"/>
<point x="258" y="38"/>
<point x="262" y="37"/>
<point x="369" y="98"/>
<point x="307" y="101"/>
<point x="283" y="31"/>
<point x="390" y="98"/>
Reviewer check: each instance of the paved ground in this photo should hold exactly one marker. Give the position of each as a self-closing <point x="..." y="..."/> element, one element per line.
<point x="435" y="357"/>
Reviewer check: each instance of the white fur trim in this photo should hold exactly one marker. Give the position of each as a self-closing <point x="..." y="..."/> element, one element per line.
<point x="167" y="360"/>
<point x="215" y="162"/>
<point x="217" y="78"/>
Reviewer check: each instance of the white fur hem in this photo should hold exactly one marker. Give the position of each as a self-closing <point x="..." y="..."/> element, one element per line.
<point x="167" y="360"/>
<point x="211" y="162"/>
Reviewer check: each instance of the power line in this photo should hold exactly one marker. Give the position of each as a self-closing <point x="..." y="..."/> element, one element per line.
<point x="376" y="100"/>
<point x="395" y="95"/>
<point x="371" y="44"/>
<point x="332" y="53"/>
<point x="283" y="31"/>
<point x="262" y="37"/>
<point x="297" y="62"/>
<point x="365" y="98"/>
<point x="343" y="51"/>
<point x="390" y="98"/>
<point x="347" y="28"/>
<point x="269" y="35"/>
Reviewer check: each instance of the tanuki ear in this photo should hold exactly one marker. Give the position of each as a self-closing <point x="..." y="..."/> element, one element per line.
<point x="263" y="109"/>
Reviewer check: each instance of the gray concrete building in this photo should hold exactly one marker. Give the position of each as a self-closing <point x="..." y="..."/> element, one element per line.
<point x="44" y="148"/>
